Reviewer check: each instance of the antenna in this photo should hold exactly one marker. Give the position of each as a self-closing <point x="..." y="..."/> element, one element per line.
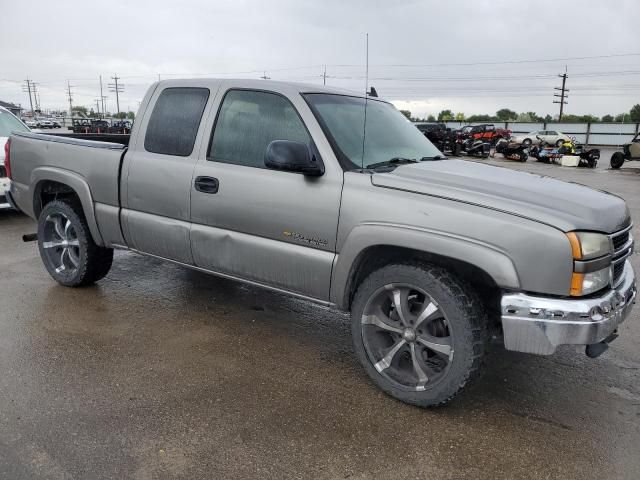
<point x="366" y="97"/>
<point x="366" y="73"/>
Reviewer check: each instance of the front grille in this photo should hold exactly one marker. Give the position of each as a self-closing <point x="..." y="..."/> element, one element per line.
<point x="622" y="247"/>
<point x="620" y="240"/>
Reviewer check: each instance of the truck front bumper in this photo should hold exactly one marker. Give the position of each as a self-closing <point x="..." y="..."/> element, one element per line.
<point x="538" y="325"/>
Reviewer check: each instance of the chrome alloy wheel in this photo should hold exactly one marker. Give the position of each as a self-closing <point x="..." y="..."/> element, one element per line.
<point x="61" y="244"/>
<point x="407" y="336"/>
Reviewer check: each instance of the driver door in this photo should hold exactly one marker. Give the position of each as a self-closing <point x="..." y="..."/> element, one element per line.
<point x="272" y="227"/>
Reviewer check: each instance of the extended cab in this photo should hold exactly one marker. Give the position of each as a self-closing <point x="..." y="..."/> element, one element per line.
<point x="335" y="198"/>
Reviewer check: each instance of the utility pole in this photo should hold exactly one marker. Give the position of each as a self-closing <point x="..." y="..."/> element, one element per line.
<point x="28" y="82"/>
<point x="36" y="96"/>
<point x="98" y="106"/>
<point x="118" y="88"/>
<point x="70" y="98"/>
<point x="264" y="76"/>
<point x="324" y="76"/>
<point x="102" y="97"/>
<point x="563" y="93"/>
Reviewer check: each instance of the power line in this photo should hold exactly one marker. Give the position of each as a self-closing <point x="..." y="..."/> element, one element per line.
<point x="503" y="62"/>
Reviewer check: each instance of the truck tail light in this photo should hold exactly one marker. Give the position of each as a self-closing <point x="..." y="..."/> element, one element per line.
<point x="7" y="158"/>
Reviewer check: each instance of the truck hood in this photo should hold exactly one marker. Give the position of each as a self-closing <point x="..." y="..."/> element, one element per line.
<point x="563" y="205"/>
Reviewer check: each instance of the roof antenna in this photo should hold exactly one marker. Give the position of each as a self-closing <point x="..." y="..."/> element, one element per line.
<point x="366" y="97"/>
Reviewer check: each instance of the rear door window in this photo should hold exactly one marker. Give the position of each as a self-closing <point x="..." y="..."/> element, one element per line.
<point x="175" y="119"/>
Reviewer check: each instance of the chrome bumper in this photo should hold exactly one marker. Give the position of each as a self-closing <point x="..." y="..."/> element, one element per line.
<point x="538" y="324"/>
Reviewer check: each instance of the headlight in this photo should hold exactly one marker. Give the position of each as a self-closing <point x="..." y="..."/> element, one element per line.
<point x="586" y="283"/>
<point x="588" y="245"/>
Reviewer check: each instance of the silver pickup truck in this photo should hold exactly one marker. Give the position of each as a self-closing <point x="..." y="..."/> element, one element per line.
<point x="336" y="198"/>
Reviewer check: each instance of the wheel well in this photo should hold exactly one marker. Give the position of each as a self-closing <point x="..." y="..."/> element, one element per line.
<point x="49" y="190"/>
<point x="374" y="258"/>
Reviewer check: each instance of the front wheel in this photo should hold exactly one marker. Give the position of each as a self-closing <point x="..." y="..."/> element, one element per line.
<point x="559" y="143"/>
<point x="67" y="248"/>
<point x="617" y="159"/>
<point x="419" y="332"/>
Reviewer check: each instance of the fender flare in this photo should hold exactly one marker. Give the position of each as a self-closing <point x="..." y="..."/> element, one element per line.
<point x="489" y="258"/>
<point x="75" y="182"/>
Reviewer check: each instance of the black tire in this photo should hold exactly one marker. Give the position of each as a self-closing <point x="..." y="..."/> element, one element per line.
<point x="464" y="319"/>
<point x="523" y="156"/>
<point x="527" y="142"/>
<point x="559" y="143"/>
<point x="617" y="159"/>
<point x="456" y="149"/>
<point x="88" y="263"/>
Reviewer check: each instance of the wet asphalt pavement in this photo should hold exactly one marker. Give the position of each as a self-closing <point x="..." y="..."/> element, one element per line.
<point x="160" y="372"/>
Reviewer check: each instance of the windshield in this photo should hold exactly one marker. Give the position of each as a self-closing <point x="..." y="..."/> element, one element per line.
<point x="389" y="135"/>
<point x="9" y="123"/>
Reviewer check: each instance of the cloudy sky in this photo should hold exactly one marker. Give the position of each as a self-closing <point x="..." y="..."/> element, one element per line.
<point x="471" y="56"/>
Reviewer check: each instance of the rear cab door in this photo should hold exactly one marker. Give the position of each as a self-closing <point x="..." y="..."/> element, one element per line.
<point x="158" y="168"/>
<point x="271" y="227"/>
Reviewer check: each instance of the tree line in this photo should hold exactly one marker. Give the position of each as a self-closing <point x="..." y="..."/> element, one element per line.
<point x="507" y="115"/>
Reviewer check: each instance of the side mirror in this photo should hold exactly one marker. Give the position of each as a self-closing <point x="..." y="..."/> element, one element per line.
<point x="294" y="157"/>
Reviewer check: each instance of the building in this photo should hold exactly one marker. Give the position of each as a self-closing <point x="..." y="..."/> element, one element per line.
<point x="15" y="109"/>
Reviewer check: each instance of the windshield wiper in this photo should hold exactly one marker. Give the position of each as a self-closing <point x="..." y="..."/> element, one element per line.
<point x="392" y="162"/>
<point x="436" y="157"/>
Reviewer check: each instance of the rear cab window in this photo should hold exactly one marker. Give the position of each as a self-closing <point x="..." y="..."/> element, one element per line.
<point x="175" y="119"/>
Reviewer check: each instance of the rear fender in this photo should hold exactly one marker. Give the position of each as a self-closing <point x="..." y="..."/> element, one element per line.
<point x="74" y="181"/>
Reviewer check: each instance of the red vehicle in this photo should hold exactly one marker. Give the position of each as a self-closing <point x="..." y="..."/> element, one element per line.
<point x="486" y="132"/>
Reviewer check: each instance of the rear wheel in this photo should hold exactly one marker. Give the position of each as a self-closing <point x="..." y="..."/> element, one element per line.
<point x="66" y="247"/>
<point x="419" y="332"/>
<point x="617" y="159"/>
<point x="559" y="143"/>
<point x="526" y="142"/>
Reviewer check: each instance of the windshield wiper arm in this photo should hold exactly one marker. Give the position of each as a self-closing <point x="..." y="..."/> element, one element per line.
<point x="436" y="157"/>
<point x="392" y="162"/>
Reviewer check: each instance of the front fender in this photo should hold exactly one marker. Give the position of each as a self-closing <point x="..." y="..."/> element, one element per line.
<point x="495" y="262"/>
<point x="73" y="181"/>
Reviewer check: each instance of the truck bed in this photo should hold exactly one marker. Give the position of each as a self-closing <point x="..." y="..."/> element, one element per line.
<point x="93" y="166"/>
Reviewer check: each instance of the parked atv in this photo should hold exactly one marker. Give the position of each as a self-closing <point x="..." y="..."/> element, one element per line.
<point x="512" y="151"/>
<point x="476" y="148"/>
<point x="486" y="132"/>
<point x="630" y="151"/>
<point x="442" y="137"/>
<point x="588" y="157"/>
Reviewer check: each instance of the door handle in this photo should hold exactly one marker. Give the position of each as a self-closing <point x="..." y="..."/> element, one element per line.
<point x="206" y="184"/>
